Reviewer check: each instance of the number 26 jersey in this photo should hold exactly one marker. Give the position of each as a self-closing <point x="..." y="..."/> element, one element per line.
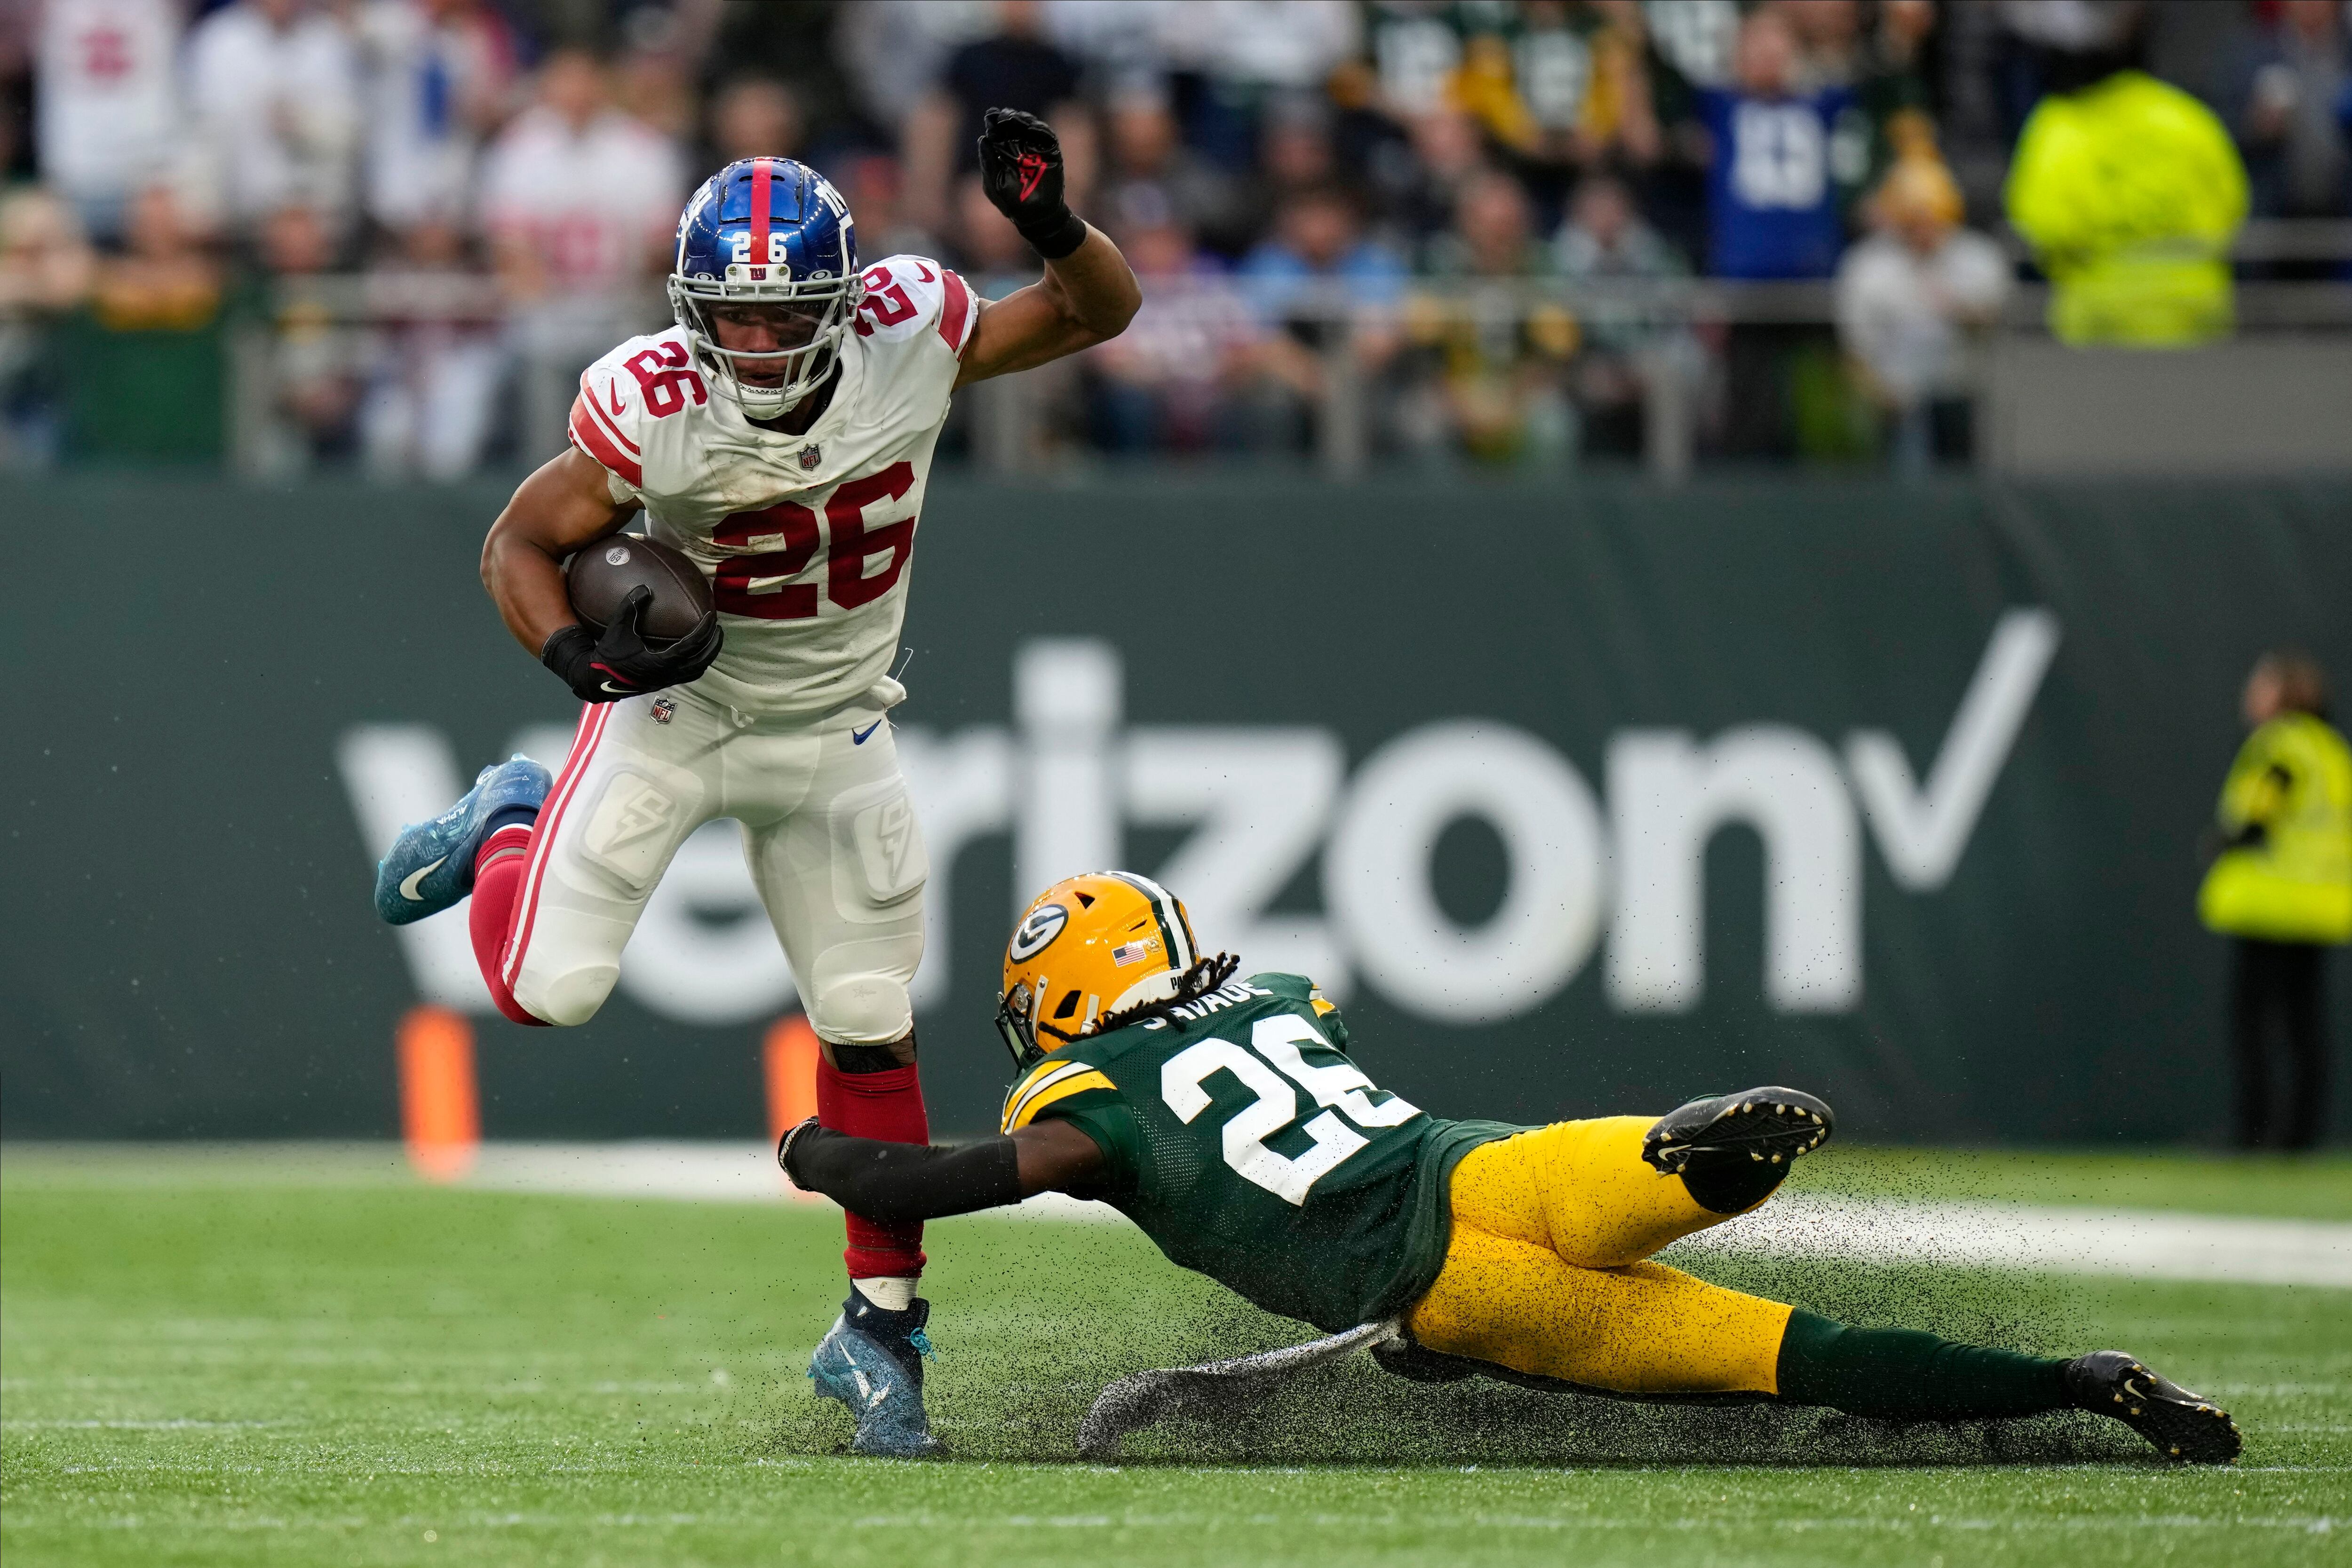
<point x="806" y="539"/>
<point x="1247" y="1146"/>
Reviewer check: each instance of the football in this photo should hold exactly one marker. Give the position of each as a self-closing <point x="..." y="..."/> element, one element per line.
<point x="601" y="575"/>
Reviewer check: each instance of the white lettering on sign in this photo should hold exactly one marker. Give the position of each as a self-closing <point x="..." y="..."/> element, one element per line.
<point x="1068" y="778"/>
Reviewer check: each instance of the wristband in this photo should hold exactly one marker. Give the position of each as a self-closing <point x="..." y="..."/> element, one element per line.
<point x="1054" y="238"/>
<point x="784" y="1147"/>
<point x="566" y="647"/>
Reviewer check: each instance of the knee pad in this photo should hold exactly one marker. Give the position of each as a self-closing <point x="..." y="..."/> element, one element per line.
<point x="569" y="998"/>
<point x="861" y="1009"/>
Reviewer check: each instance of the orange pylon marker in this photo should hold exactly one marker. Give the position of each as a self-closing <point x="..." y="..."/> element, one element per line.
<point x="440" y="1110"/>
<point x="789" y="1057"/>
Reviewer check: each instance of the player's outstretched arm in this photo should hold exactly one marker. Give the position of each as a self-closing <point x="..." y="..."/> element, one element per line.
<point x="897" y="1183"/>
<point x="1088" y="293"/>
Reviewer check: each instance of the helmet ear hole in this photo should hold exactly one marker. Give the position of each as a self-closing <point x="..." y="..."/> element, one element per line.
<point x="1069" y="1005"/>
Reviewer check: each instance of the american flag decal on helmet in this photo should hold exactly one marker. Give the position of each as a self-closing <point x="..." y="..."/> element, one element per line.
<point x="1134" y="952"/>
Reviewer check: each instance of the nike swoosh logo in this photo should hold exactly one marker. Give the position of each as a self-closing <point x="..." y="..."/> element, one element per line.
<point x="613" y="391"/>
<point x="618" y="691"/>
<point x="880" y="1394"/>
<point x="858" y="736"/>
<point x="408" y="884"/>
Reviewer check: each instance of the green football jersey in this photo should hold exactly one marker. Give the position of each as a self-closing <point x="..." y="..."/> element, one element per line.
<point x="1241" y="1138"/>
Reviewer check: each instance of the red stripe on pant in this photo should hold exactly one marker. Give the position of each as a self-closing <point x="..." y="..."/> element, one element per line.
<point x="889" y="1106"/>
<point x="497" y="918"/>
<point x="594" y="717"/>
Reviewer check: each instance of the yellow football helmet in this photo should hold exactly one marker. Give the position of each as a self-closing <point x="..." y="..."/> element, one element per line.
<point x="1089" y="947"/>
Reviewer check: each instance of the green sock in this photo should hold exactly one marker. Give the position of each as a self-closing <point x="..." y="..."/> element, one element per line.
<point x="1907" y="1375"/>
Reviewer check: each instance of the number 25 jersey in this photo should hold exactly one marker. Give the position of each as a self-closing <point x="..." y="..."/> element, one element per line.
<point x="1249" y="1147"/>
<point x="806" y="538"/>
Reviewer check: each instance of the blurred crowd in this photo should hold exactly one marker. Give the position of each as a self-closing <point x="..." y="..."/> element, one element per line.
<point x="388" y="233"/>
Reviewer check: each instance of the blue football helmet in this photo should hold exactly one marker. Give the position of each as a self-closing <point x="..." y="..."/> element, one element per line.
<point x="767" y="231"/>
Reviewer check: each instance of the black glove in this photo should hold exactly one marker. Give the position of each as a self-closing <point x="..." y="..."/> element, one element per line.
<point x="1020" y="170"/>
<point x="619" y="665"/>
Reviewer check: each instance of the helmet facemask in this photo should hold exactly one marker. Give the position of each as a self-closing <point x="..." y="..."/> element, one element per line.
<point x="1016" y="1027"/>
<point x="831" y="303"/>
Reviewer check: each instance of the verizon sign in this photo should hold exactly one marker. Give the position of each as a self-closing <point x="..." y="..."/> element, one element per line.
<point x="1622" y="867"/>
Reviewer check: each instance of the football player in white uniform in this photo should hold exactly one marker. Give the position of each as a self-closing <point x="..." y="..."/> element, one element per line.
<point x="781" y="436"/>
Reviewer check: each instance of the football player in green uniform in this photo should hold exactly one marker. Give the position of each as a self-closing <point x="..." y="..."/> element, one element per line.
<point x="1224" y="1117"/>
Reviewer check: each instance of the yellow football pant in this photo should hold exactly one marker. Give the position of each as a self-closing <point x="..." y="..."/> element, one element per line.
<point x="1547" y="1273"/>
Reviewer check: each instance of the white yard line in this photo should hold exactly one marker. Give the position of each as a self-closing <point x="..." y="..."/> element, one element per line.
<point x="2148" y="1245"/>
<point x="2139" y="1243"/>
<point x="717" y="1173"/>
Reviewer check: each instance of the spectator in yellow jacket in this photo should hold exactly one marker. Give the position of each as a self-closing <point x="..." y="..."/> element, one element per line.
<point x="2130" y="192"/>
<point x="2282" y="888"/>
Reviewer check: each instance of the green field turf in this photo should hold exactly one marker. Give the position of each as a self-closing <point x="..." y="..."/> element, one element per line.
<point x="236" y="1359"/>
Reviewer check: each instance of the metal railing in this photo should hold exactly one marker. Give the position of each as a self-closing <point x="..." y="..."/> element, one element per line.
<point x="1665" y="337"/>
<point x="1669" y="333"/>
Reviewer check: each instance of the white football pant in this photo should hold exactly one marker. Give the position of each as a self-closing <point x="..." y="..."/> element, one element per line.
<point x="828" y="831"/>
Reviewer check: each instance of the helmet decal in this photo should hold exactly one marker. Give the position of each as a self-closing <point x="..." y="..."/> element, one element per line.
<point x="761" y="180"/>
<point x="1036" y="933"/>
<point x="1174" y="929"/>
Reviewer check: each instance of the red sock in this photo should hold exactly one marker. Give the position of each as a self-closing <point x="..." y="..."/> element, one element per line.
<point x="497" y="880"/>
<point x="889" y="1106"/>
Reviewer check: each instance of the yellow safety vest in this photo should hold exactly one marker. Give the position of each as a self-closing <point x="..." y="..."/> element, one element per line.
<point x="2130" y="192"/>
<point x="2293" y="778"/>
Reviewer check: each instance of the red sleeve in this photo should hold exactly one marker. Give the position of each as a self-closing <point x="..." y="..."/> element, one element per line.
<point x="957" y="314"/>
<point x="596" y="433"/>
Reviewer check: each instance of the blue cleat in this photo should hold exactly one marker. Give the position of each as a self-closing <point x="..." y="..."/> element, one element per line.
<point x="872" y="1361"/>
<point x="431" y="864"/>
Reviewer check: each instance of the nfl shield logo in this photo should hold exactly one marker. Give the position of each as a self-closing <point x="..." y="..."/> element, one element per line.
<point x="810" y="458"/>
<point x="665" y="709"/>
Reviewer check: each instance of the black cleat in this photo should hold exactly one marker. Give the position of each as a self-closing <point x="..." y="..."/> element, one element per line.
<point x="1770" y="1125"/>
<point x="2183" y="1426"/>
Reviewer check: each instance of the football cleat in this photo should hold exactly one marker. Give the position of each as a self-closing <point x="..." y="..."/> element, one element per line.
<point x="1770" y="1125"/>
<point x="2183" y="1426"/>
<point x="431" y="864"/>
<point x="872" y="1361"/>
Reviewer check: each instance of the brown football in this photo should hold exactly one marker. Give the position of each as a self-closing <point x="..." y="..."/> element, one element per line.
<point x="601" y="575"/>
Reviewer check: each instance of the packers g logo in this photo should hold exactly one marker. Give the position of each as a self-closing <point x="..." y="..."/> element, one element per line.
<point x="1037" y="931"/>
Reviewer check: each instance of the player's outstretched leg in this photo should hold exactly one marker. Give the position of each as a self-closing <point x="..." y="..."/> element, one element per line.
<point x="1904" y="1374"/>
<point x="872" y="1361"/>
<point x="1509" y="1309"/>
<point x="430" y="866"/>
<point x="1733" y="1150"/>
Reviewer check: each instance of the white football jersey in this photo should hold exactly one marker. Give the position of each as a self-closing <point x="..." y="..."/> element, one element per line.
<point x="806" y="538"/>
